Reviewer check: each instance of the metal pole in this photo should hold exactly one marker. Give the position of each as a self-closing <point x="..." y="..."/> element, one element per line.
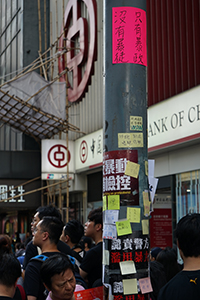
<point x="125" y="183"/>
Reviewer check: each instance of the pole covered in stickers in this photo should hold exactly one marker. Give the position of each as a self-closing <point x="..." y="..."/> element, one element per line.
<point x="126" y="204"/>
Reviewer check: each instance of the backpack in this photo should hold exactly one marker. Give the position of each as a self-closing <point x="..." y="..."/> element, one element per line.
<point x="79" y="279"/>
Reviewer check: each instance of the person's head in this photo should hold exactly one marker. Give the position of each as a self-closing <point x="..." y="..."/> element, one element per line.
<point x="57" y="274"/>
<point x="188" y="235"/>
<point x="73" y="230"/>
<point x="86" y="243"/>
<point x="5" y="244"/>
<point x="168" y="259"/>
<point x="10" y="271"/>
<point x="158" y="278"/>
<point x="94" y="225"/>
<point x="44" y="211"/>
<point x="49" y="228"/>
<point x="154" y="252"/>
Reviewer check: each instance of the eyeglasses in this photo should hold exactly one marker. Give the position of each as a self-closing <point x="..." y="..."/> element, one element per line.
<point x="36" y="230"/>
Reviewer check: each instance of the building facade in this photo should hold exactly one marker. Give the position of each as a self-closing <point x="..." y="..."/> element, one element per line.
<point x="173" y="29"/>
<point x="20" y="158"/>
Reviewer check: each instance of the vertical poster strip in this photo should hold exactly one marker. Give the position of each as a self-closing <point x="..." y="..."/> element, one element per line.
<point x="129" y="35"/>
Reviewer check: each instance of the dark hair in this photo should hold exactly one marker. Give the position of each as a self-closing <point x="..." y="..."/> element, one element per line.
<point x="86" y="239"/>
<point x="5" y="244"/>
<point x="10" y="269"/>
<point x="188" y="235"/>
<point x="49" y="210"/>
<point x="56" y="264"/>
<point x="168" y="259"/>
<point x="96" y="216"/>
<point x="158" y="278"/>
<point x="53" y="226"/>
<point x="75" y="230"/>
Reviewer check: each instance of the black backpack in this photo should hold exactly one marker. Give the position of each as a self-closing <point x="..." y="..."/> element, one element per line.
<point x="79" y="279"/>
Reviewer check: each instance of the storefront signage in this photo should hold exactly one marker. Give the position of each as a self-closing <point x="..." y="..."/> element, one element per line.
<point x="10" y="191"/>
<point x="89" y="151"/>
<point x="55" y="158"/>
<point x="18" y="194"/>
<point x="175" y="120"/>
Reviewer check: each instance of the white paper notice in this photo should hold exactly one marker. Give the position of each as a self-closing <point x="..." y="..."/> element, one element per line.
<point x="127" y="267"/>
<point x="111" y="216"/>
<point x="109" y="232"/>
<point x="153" y="182"/>
<point x="106" y="255"/>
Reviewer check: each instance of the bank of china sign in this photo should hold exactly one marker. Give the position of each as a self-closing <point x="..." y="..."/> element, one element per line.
<point x="55" y="158"/>
<point x="175" y="120"/>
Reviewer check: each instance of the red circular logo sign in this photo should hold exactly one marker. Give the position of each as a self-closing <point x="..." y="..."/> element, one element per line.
<point x="57" y="156"/>
<point x="83" y="151"/>
<point x="81" y="42"/>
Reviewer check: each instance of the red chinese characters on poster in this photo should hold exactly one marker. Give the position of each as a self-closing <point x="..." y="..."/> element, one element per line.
<point x="129" y="35"/>
<point x="114" y="179"/>
<point x="161" y="228"/>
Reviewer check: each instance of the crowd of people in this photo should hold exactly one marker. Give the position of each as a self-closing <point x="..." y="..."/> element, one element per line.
<point x="58" y="260"/>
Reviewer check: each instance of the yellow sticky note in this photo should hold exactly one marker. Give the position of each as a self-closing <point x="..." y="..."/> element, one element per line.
<point x="133" y="214"/>
<point x="146" y="203"/>
<point x="123" y="227"/>
<point x="127" y="267"/>
<point x="136" y="123"/>
<point x="132" y="169"/>
<point x="130" y="140"/>
<point x="113" y="202"/>
<point x="104" y="203"/>
<point x="145" y="226"/>
<point x="146" y="168"/>
<point x="130" y="286"/>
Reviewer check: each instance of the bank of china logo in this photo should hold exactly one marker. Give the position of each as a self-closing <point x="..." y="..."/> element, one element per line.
<point x="80" y="34"/>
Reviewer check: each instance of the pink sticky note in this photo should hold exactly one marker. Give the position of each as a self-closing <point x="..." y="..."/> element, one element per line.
<point x="129" y="35"/>
<point x="145" y="285"/>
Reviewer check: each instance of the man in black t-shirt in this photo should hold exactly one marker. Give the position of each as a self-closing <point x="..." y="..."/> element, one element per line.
<point x="71" y="235"/>
<point x="46" y="236"/>
<point x="10" y="271"/>
<point x="91" y="266"/>
<point x="33" y="250"/>
<point x="186" y="284"/>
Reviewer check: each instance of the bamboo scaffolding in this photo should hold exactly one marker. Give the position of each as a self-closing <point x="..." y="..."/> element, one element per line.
<point x="34" y="66"/>
<point x="38" y="127"/>
<point x="40" y="34"/>
<point x="67" y="112"/>
<point x="44" y="71"/>
<point x="45" y="25"/>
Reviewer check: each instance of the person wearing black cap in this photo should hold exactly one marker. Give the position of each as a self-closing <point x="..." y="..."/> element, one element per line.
<point x="154" y="252"/>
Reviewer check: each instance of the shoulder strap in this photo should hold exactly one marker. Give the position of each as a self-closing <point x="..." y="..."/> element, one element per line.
<point x="22" y="292"/>
<point x="39" y="257"/>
